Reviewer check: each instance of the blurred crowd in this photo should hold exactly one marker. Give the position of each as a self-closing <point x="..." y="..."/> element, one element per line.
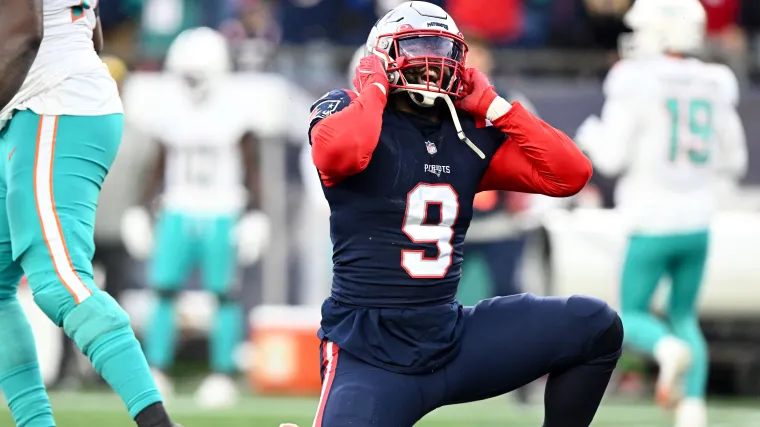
<point x="141" y="30"/>
<point x="309" y="43"/>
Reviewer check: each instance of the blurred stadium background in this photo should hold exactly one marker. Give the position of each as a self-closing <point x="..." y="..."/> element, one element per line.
<point x="553" y="53"/>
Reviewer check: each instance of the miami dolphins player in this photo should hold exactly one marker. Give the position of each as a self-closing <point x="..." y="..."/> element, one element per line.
<point x="61" y="133"/>
<point x="670" y="127"/>
<point x="21" y="35"/>
<point x="208" y="218"/>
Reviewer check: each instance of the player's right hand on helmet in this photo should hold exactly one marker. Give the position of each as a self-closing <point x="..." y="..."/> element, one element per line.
<point x="479" y="93"/>
<point x="371" y="71"/>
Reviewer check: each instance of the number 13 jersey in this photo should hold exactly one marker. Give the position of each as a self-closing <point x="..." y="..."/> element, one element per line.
<point x="202" y="141"/>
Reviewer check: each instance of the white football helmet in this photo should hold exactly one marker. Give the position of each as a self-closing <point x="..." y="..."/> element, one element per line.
<point x="423" y="50"/>
<point x="661" y="26"/>
<point x="199" y="55"/>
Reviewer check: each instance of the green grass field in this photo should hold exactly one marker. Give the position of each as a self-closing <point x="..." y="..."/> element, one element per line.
<point x="103" y="410"/>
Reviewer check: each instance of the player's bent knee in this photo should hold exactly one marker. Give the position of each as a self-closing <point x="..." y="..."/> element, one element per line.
<point x="94" y="318"/>
<point x="610" y="343"/>
<point x="584" y="306"/>
<point x="55" y="301"/>
<point x="604" y="323"/>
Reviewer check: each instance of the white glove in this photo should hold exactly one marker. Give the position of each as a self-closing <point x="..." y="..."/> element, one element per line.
<point x="253" y="231"/>
<point x="137" y="232"/>
<point x="588" y="132"/>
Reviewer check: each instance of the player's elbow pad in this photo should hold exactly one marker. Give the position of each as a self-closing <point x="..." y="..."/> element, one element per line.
<point x="573" y="179"/>
<point x="340" y="151"/>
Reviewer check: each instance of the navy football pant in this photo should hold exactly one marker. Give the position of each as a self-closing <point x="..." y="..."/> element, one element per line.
<point x="507" y="343"/>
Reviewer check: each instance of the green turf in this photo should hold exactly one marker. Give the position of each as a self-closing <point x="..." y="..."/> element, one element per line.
<point x="103" y="410"/>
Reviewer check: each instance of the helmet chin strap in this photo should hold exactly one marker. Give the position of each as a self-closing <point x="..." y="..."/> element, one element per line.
<point x="423" y="98"/>
<point x="458" y="127"/>
<point x="429" y="99"/>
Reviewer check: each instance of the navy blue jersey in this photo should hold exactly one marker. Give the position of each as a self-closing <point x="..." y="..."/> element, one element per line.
<point x="398" y="230"/>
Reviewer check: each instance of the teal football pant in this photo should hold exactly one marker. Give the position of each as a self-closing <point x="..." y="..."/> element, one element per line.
<point x="682" y="257"/>
<point x="185" y="241"/>
<point x="51" y="172"/>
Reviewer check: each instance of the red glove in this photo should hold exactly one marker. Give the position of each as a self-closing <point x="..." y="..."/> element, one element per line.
<point x="369" y="72"/>
<point x="479" y="93"/>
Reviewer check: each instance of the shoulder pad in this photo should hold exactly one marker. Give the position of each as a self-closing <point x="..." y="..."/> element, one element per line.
<point x="329" y="103"/>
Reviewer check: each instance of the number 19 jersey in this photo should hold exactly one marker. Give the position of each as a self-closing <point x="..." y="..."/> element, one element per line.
<point x="682" y="132"/>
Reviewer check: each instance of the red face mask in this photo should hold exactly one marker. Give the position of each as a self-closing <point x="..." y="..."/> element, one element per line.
<point x="430" y="60"/>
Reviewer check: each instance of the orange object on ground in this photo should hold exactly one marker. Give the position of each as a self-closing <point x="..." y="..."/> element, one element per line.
<point x="285" y="350"/>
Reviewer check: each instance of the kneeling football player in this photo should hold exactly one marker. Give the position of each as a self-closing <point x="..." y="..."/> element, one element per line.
<point x="400" y="160"/>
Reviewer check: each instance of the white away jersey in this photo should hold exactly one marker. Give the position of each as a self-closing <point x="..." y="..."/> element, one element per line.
<point x="67" y="76"/>
<point x="202" y="139"/>
<point x="671" y="128"/>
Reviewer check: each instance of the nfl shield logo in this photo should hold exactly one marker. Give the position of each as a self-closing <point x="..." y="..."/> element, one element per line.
<point x="431" y="148"/>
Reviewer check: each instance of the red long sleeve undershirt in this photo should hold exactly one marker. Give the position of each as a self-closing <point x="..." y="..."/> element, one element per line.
<point x="342" y="143"/>
<point x="536" y="159"/>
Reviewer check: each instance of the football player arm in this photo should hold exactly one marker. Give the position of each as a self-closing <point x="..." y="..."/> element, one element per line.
<point x="97" y="32"/>
<point x="152" y="186"/>
<point x="249" y="152"/>
<point x="732" y="140"/>
<point x="729" y="131"/>
<point x="607" y="140"/>
<point x="20" y="38"/>
<point x="345" y="129"/>
<point x="536" y="158"/>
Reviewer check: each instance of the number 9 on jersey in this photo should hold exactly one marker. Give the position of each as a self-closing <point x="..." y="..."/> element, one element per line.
<point x="416" y="226"/>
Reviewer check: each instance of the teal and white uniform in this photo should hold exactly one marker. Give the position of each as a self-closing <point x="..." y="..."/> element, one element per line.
<point x="203" y="198"/>
<point x="203" y="190"/>
<point x="60" y="134"/>
<point x="670" y="128"/>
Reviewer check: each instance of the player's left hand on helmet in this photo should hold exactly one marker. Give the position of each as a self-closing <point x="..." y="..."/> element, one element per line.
<point x="371" y="71"/>
<point x="253" y="232"/>
<point x="479" y="93"/>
